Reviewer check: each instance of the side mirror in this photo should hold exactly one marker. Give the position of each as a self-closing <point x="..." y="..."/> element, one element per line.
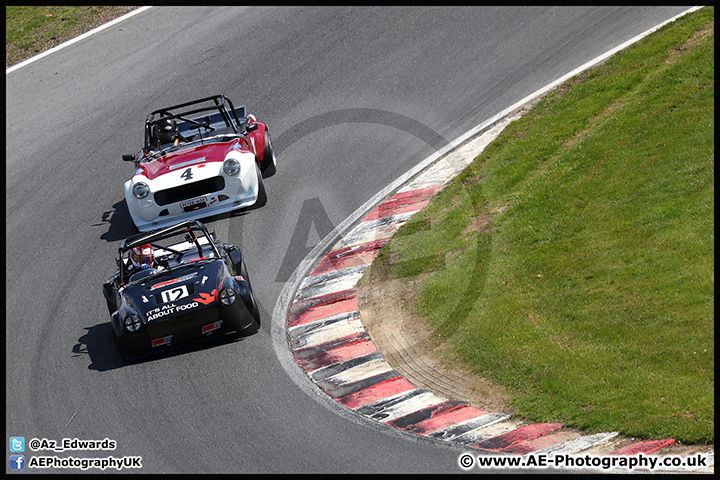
<point x="128" y="157"/>
<point x="251" y="127"/>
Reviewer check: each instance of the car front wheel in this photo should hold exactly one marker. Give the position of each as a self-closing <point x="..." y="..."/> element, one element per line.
<point x="268" y="165"/>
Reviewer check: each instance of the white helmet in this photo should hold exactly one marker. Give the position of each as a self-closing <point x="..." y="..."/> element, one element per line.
<point x="142" y="255"/>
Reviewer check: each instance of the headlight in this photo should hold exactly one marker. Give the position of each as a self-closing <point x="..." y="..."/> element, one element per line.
<point x="140" y="190"/>
<point x="231" y="167"/>
<point x="227" y="296"/>
<point x="132" y="323"/>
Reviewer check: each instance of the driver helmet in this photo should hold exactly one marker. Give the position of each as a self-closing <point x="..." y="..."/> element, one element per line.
<point x="142" y="255"/>
<point x="167" y="130"/>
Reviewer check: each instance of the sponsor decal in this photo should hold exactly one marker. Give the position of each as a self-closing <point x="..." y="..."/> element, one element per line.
<point x="207" y="298"/>
<point x="169" y="309"/>
<point x="163" y="284"/>
<point x="174" y="280"/>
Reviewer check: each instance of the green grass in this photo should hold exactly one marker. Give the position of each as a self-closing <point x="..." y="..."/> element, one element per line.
<point x="573" y="261"/>
<point x="30" y="30"/>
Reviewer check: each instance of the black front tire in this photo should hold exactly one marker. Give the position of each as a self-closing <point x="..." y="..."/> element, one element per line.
<point x="262" y="196"/>
<point x="109" y="295"/>
<point x="243" y="273"/>
<point x="255" y="309"/>
<point x="268" y="165"/>
<point x="255" y="313"/>
<point x="124" y="356"/>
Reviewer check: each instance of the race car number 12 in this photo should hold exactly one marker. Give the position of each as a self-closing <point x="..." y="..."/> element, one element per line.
<point x="174" y="294"/>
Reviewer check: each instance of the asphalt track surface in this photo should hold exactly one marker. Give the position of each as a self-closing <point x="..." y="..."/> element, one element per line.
<point x="354" y="97"/>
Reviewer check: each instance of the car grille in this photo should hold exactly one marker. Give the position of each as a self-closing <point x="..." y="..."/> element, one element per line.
<point x="190" y="190"/>
<point x="190" y="321"/>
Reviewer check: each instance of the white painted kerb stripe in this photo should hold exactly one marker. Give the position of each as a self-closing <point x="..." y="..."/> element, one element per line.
<point x="343" y="328"/>
<point x="406" y="407"/>
<point x="355" y="374"/>
<point x="577" y="445"/>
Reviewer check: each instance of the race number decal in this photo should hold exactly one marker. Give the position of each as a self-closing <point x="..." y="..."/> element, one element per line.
<point x="174" y="294"/>
<point x="187" y="174"/>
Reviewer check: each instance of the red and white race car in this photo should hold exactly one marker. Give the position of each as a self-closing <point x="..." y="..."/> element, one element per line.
<point x="200" y="159"/>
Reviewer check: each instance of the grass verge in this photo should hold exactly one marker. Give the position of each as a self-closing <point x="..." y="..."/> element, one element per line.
<point x="30" y="30"/>
<point x="573" y="261"/>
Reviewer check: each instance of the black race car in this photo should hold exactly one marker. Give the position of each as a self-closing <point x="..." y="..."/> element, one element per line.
<point x="196" y="287"/>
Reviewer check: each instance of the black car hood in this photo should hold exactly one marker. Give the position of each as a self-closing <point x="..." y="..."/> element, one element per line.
<point x="177" y="291"/>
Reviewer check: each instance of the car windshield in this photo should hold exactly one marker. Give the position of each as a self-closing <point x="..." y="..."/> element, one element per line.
<point x="143" y="275"/>
<point x="188" y="247"/>
<point x="157" y="152"/>
<point x="173" y="247"/>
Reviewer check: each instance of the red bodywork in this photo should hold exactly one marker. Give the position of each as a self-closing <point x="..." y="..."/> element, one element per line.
<point x="253" y="142"/>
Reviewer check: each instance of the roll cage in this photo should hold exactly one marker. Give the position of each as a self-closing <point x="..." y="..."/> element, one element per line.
<point x="189" y="229"/>
<point x="214" y="113"/>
